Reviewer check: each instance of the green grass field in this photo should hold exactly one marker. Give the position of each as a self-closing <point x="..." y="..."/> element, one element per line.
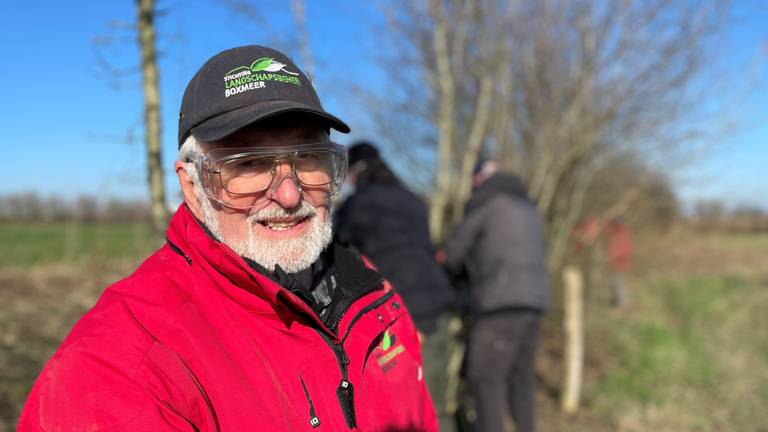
<point x="691" y="351"/>
<point x="26" y="245"/>
<point x="692" y="356"/>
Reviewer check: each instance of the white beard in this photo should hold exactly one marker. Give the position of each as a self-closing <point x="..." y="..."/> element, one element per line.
<point x="293" y="255"/>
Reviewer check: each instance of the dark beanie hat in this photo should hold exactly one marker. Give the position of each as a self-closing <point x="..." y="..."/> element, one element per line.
<point x="362" y="151"/>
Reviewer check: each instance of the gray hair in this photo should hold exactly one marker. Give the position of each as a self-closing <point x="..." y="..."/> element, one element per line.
<point x="188" y="151"/>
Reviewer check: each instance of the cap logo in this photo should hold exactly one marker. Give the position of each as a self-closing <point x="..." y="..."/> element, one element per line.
<point x="245" y="78"/>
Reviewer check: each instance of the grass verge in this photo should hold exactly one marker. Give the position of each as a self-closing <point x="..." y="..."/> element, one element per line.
<point x="691" y="355"/>
<point x="31" y="244"/>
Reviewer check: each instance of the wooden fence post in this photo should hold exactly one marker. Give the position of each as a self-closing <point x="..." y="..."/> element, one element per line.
<point x="573" y="325"/>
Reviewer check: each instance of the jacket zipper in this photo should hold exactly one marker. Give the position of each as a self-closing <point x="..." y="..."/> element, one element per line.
<point x="346" y="305"/>
<point x="379" y="301"/>
<point x="345" y="392"/>
<point x="314" y="421"/>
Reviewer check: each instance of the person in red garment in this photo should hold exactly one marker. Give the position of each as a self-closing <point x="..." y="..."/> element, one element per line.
<point x="248" y="318"/>
<point x="618" y="245"/>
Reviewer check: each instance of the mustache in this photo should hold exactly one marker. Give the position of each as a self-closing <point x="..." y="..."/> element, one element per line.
<point x="277" y="212"/>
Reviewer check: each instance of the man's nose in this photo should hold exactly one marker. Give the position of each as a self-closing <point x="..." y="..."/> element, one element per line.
<point x="285" y="189"/>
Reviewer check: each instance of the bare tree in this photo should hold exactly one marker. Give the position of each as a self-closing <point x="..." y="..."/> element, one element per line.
<point x="558" y="89"/>
<point x="455" y="47"/>
<point x="107" y="50"/>
<point x="599" y="83"/>
<point x="446" y="89"/>
<point x="152" y="122"/>
<point x="298" y="8"/>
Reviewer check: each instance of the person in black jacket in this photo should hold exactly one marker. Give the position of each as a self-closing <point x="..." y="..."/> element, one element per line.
<point x="389" y="224"/>
<point x="500" y="247"/>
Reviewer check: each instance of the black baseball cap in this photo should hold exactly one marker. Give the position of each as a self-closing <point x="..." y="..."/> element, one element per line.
<point x="241" y="86"/>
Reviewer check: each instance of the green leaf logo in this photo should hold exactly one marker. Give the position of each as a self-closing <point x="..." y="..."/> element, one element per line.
<point x="261" y="64"/>
<point x="386" y="342"/>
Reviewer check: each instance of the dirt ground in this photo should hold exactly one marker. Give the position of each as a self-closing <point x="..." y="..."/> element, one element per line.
<point x="39" y="306"/>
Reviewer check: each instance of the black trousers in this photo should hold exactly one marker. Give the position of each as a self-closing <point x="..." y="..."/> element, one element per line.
<point x="502" y="349"/>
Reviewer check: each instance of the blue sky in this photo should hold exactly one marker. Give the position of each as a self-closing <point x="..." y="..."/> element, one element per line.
<point x="66" y="124"/>
<point x="734" y="167"/>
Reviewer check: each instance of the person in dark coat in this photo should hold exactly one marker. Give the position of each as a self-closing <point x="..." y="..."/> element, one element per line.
<point x="389" y="224"/>
<point x="500" y="247"/>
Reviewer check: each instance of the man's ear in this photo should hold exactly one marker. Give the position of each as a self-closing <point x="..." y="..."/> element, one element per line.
<point x="188" y="189"/>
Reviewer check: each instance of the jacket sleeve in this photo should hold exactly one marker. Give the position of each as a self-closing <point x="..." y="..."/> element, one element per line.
<point x="459" y="245"/>
<point x="78" y="390"/>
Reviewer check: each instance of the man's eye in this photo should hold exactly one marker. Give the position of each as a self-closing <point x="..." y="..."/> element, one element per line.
<point x="248" y="166"/>
<point x="307" y="160"/>
<point x="255" y="164"/>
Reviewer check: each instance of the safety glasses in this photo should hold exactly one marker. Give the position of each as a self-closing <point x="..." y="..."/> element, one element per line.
<point x="238" y="177"/>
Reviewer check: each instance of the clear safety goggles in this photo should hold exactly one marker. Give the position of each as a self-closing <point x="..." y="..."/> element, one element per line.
<point x="238" y="177"/>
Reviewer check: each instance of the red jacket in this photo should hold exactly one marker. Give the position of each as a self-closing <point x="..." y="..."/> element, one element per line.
<point x="619" y="246"/>
<point x="196" y="340"/>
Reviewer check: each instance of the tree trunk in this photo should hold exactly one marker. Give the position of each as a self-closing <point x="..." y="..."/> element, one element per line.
<point x="475" y="142"/>
<point x="445" y="124"/>
<point x="152" y="124"/>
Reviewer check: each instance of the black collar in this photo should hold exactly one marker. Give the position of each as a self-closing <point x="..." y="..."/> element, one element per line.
<point x="351" y="274"/>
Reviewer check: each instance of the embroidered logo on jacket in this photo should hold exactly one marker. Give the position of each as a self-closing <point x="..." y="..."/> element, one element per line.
<point x="387" y="351"/>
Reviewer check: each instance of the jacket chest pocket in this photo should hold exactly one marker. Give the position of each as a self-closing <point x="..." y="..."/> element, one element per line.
<point x="392" y="380"/>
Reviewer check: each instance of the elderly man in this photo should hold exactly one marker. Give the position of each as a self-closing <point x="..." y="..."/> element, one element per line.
<point x="248" y="318"/>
